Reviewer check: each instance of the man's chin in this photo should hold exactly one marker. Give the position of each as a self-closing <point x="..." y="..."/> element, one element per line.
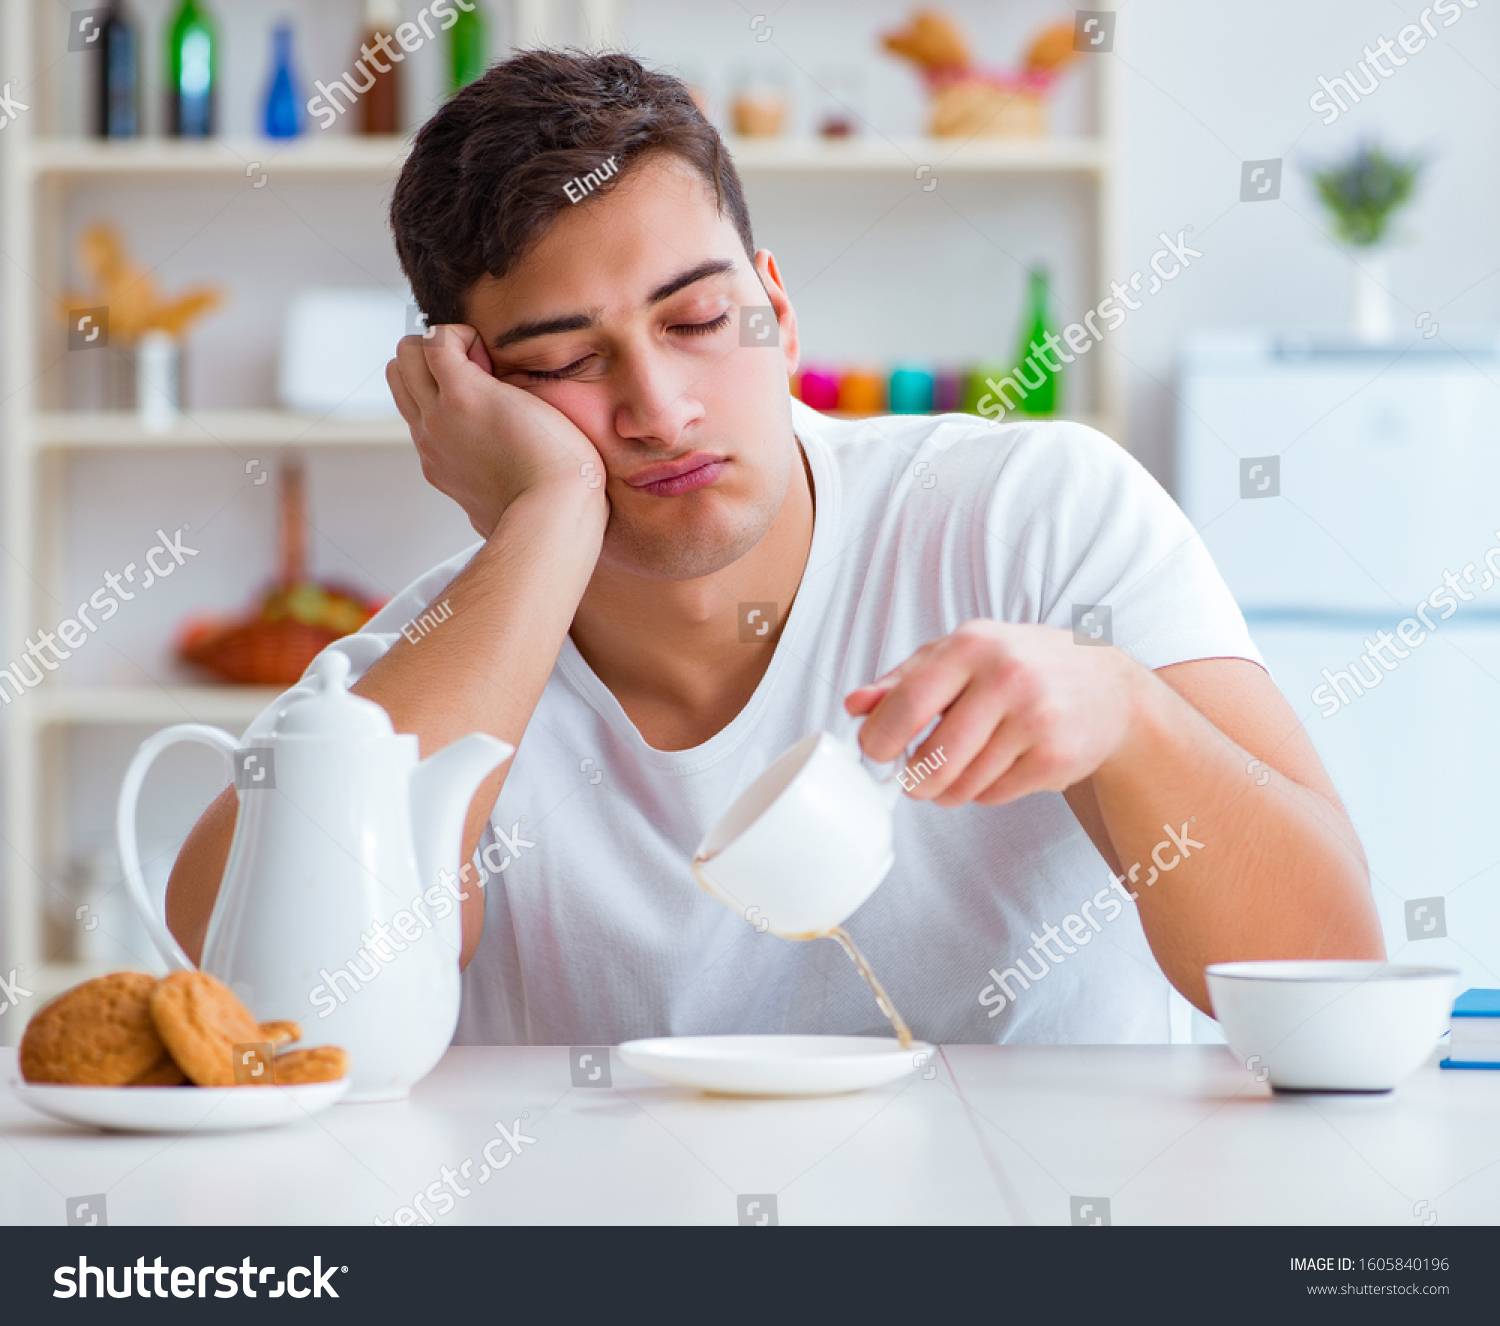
<point x="689" y="552"/>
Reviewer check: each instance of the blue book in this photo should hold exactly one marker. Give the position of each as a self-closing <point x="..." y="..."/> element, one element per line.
<point x="1474" y="1035"/>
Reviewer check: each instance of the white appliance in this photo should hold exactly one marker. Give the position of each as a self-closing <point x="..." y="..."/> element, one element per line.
<point x="1335" y="486"/>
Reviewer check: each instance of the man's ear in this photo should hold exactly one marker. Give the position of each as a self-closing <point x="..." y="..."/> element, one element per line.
<point x="786" y="315"/>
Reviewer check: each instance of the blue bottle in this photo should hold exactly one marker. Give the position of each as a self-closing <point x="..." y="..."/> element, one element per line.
<point x="283" y="106"/>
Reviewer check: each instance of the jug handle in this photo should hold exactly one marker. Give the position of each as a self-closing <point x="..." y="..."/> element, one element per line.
<point x="130" y="858"/>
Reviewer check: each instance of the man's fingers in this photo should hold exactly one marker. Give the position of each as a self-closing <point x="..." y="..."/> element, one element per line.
<point x="1028" y="774"/>
<point x="1007" y="745"/>
<point x="416" y="376"/>
<point x="918" y="698"/>
<point x="447" y="350"/>
<point x="400" y="395"/>
<point x="966" y="736"/>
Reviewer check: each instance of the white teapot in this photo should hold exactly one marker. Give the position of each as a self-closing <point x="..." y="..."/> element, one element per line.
<point x="339" y="904"/>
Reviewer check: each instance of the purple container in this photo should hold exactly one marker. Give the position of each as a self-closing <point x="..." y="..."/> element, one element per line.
<point x="947" y="392"/>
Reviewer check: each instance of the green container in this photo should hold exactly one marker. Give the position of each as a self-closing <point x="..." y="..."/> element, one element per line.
<point x="468" y="47"/>
<point x="975" y="388"/>
<point x="192" y="73"/>
<point x="1037" y="393"/>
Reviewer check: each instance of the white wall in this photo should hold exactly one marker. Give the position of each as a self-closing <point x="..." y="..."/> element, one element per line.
<point x="1201" y="88"/>
<point x="1206" y="86"/>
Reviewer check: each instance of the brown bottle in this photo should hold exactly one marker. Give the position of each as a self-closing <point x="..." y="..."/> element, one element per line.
<point x="381" y="105"/>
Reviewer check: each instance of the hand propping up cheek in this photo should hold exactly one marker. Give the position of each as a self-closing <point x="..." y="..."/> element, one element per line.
<point x="481" y="441"/>
<point x="1023" y="709"/>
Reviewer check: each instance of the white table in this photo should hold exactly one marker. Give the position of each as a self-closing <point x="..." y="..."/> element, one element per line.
<point x="1168" y="1134"/>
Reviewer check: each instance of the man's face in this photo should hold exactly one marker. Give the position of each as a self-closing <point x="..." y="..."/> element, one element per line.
<point x="626" y="317"/>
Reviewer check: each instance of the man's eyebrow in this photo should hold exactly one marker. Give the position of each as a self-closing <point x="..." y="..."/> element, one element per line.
<point x="570" y="322"/>
<point x="714" y="267"/>
<point x="525" y="331"/>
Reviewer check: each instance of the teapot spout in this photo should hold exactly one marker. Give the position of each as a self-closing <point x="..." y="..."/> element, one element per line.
<point x="442" y="786"/>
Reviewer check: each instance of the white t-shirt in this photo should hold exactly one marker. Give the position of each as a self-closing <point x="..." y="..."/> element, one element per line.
<point x="595" y="931"/>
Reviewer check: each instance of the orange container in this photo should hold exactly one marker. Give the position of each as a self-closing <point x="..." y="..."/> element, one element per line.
<point x="862" y="392"/>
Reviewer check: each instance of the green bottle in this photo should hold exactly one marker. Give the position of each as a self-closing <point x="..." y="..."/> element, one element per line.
<point x="1037" y="380"/>
<point x="192" y="59"/>
<point x="468" y="49"/>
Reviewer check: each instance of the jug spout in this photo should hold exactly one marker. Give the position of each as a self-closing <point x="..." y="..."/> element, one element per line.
<point x="442" y="786"/>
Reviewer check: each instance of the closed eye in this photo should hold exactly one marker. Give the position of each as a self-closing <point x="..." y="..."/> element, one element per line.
<point x="559" y="374"/>
<point x="578" y="365"/>
<point x="702" y="328"/>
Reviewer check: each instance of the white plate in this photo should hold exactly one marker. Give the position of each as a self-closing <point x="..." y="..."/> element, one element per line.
<point x="775" y="1065"/>
<point x="181" y="1109"/>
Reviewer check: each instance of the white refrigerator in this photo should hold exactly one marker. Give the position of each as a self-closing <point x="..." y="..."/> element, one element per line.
<point x="1350" y="496"/>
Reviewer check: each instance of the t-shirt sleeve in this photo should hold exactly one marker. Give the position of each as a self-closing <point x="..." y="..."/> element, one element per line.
<point x="1075" y="527"/>
<point x="374" y="638"/>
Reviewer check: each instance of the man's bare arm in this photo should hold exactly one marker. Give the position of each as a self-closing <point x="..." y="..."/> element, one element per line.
<point x="514" y="464"/>
<point x="1206" y="751"/>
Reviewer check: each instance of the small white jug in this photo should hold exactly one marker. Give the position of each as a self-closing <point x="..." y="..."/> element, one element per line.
<point x="805" y="844"/>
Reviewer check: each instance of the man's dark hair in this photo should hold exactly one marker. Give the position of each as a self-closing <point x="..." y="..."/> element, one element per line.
<point x="487" y="174"/>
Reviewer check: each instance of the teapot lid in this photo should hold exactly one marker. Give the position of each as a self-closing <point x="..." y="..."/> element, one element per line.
<point x="333" y="710"/>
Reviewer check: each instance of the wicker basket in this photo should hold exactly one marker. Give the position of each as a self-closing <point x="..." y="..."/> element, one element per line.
<point x="270" y="646"/>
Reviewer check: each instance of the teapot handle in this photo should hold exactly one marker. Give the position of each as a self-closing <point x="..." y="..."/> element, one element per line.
<point x="130" y="858"/>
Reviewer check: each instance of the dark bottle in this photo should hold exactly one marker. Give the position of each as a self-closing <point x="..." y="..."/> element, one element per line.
<point x="283" y="110"/>
<point x="191" y="61"/>
<point x="119" y="72"/>
<point x="380" y="58"/>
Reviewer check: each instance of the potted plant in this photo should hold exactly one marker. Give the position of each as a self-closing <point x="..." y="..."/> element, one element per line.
<point x="1363" y="194"/>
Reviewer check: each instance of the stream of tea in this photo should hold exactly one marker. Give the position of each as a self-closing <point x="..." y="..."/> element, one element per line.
<point x="861" y="963"/>
<point x="903" y="1032"/>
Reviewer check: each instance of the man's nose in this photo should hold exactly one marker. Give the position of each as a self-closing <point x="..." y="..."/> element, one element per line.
<point x="654" y="407"/>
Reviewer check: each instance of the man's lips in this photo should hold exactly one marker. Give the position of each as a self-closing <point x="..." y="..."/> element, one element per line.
<point x="673" y="477"/>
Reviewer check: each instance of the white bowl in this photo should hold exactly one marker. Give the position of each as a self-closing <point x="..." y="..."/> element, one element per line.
<point x="1331" y="1025"/>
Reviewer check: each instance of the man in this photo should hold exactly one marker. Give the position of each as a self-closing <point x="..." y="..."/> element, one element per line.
<point x="682" y="571"/>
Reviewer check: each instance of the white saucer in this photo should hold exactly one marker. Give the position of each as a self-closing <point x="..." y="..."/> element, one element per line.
<point x="181" y="1109"/>
<point x="775" y="1065"/>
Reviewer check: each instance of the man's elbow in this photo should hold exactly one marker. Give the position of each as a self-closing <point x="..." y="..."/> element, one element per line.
<point x="194" y="883"/>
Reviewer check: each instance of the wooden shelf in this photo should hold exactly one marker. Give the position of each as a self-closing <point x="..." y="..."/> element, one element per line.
<point x="381" y="156"/>
<point x="159" y="706"/>
<point x="377" y="156"/>
<point x="103" y="429"/>
<point x="904" y="156"/>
